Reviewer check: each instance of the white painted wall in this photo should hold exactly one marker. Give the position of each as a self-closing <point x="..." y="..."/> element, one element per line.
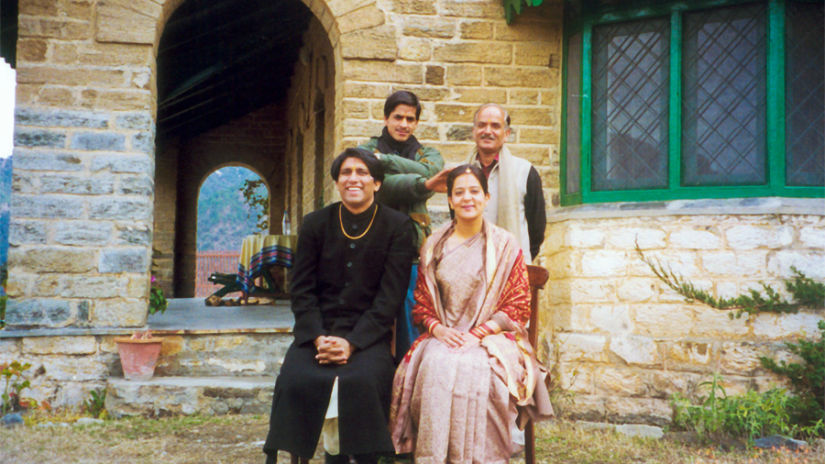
<point x="7" y="83"/>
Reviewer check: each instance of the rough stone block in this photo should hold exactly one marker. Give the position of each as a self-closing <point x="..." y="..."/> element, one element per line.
<point x="118" y="100"/>
<point x="689" y="353"/>
<point x="575" y="378"/>
<point x="536" y="134"/>
<point x="622" y="382"/>
<point x="98" y="185"/>
<point x="663" y="384"/>
<point x="460" y="132"/>
<point x="383" y="71"/>
<point x="418" y="7"/>
<point x="9" y="350"/>
<point x="593" y="291"/>
<point x="78" y="76"/>
<point x="119" y="312"/>
<point x="694" y="239"/>
<point x="124" y="260"/>
<point x="740" y="357"/>
<point x="625" y="238"/>
<point x="534" y="53"/>
<point x="366" y="90"/>
<point x="136" y="185"/>
<point x="66" y="29"/>
<point x="640" y="430"/>
<point x="735" y="264"/>
<point x="97" y="141"/>
<point x="76" y="368"/>
<point x="663" y="320"/>
<point x="123" y="163"/>
<point x="38" y="138"/>
<point x="355" y="128"/>
<point x="428" y="28"/>
<point x="579" y="237"/>
<point x="582" y="347"/>
<point x="508" y="76"/>
<point x="73" y="286"/>
<point x="450" y="112"/>
<point x="473" y="52"/>
<point x="363" y="18"/>
<point x="38" y="313"/>
<point x="478" y="95"/>
<point x="747" y="237"/>
<point x="473" y="9"/>
<point x="143" y="142"/>
<point x="27" y="233"/>
<point x="117" y="208"/>
<point x="137" y="121"/>
<point x="476" y="30"/>
<point x="377" y="43"/>
<point x="603" y="263"/>
<point x="621" y="409"/>
<point x="807" y="262"/>
<point x="31" y="50"/>
<point x="414" y="49"/>
<point x="636" y="350"/>
<point x="60" y="118"/>
<point x="534" y="32"/>
<point x="775" y="326"/>
<point x="434" y="75"/>
<point x="127" y="21"/>
<point x="53" y="259"/>
<point x="716" y="322"/>
<point x="60" y="345"/>
<point x="812" y="237"/>
<point x="613" y="319"/>
<point x="637" y="290"/>
<point x="44" y="161"/>
<point x="135" y="235"/>
<point x="587" y="408"/>
<point x="82" y="232"/>
<point x="464" y="74"/>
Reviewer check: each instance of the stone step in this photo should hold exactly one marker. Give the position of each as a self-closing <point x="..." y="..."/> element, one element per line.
<point x="234" y="354"/>
<point x="165" y="396"/>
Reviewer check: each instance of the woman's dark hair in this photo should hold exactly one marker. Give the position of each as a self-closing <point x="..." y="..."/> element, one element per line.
<point x="402" y="97"/>
<point x="373" y="164"/>
<point x="466" y="169"/>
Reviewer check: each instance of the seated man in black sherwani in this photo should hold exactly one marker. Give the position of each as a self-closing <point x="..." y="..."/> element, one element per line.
<point x="349" y="279"/>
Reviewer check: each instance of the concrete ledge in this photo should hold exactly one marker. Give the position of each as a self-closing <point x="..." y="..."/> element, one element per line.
<point x="163" y="396"/>
<point x="744" y="206"/>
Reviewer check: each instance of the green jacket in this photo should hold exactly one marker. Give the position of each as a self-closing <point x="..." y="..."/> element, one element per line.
<point x="403" y="187"/>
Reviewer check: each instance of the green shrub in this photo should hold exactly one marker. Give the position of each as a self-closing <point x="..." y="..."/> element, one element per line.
<point x="807" y="379"/>
<point x="15" y="384"/>
<point x="718" y="417"/>
<point x="96" y="404"/>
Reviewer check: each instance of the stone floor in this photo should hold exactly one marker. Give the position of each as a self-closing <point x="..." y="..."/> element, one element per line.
<point x="191" y="315"/>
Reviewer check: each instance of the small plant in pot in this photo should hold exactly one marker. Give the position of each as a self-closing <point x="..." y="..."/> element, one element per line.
<point x="139" y="353"/>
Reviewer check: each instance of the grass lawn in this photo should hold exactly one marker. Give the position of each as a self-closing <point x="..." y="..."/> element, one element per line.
<point x="238" y="440"/>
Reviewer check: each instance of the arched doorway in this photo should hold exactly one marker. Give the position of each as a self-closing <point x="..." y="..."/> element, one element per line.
<point x="233" y="203"/>
<point x="237" y="87"/>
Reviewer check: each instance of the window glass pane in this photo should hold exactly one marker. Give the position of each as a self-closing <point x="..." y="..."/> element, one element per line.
<point x="805" y="94"/>
<point x="574" y="107"/>
<point x="723" y="97"/>
<point x="630" y="99"/>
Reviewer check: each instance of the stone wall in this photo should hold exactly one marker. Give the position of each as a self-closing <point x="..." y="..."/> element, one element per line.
<point x="624" y="341"/>
<point x="312" y="109"/>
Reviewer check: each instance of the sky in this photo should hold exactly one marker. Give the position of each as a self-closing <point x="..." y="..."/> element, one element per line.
<point x="7" y="83"/>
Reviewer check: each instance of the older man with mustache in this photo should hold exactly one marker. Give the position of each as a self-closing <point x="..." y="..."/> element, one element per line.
<point x="516" y="198"/>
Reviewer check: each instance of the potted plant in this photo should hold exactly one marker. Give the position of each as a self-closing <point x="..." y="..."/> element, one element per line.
<point x="139" y="353"/>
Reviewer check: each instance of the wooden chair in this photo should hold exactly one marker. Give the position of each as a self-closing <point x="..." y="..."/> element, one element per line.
<point x="537" y="277"/>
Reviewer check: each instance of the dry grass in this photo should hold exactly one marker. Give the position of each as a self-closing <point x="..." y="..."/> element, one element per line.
<point x="238" y="440"/>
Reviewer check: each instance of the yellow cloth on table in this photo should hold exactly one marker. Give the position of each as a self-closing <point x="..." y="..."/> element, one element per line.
<point x="261" y="251"/>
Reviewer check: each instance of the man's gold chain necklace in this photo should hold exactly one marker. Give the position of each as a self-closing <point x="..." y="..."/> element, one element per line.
<point x="341" y="221"/>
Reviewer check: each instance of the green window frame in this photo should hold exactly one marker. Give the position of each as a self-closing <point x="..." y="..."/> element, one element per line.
<point x="577" y="168"/>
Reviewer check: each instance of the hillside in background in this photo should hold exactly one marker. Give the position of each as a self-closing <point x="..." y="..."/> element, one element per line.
<point x="224" y="219"/>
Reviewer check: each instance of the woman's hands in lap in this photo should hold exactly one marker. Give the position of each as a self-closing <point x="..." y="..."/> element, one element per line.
<point x="454" y="338"/>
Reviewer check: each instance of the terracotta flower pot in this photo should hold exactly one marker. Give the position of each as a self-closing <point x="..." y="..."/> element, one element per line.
<point x="138" y="356"/>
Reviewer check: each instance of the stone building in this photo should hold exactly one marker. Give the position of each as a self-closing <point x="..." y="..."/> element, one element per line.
<point x="655" y="125"/>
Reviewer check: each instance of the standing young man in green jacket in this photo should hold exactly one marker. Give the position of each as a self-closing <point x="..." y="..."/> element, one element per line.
<point x="411" y="173"/>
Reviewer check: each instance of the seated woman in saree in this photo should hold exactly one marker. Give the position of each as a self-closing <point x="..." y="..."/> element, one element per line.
<point x="472" y="376"/>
